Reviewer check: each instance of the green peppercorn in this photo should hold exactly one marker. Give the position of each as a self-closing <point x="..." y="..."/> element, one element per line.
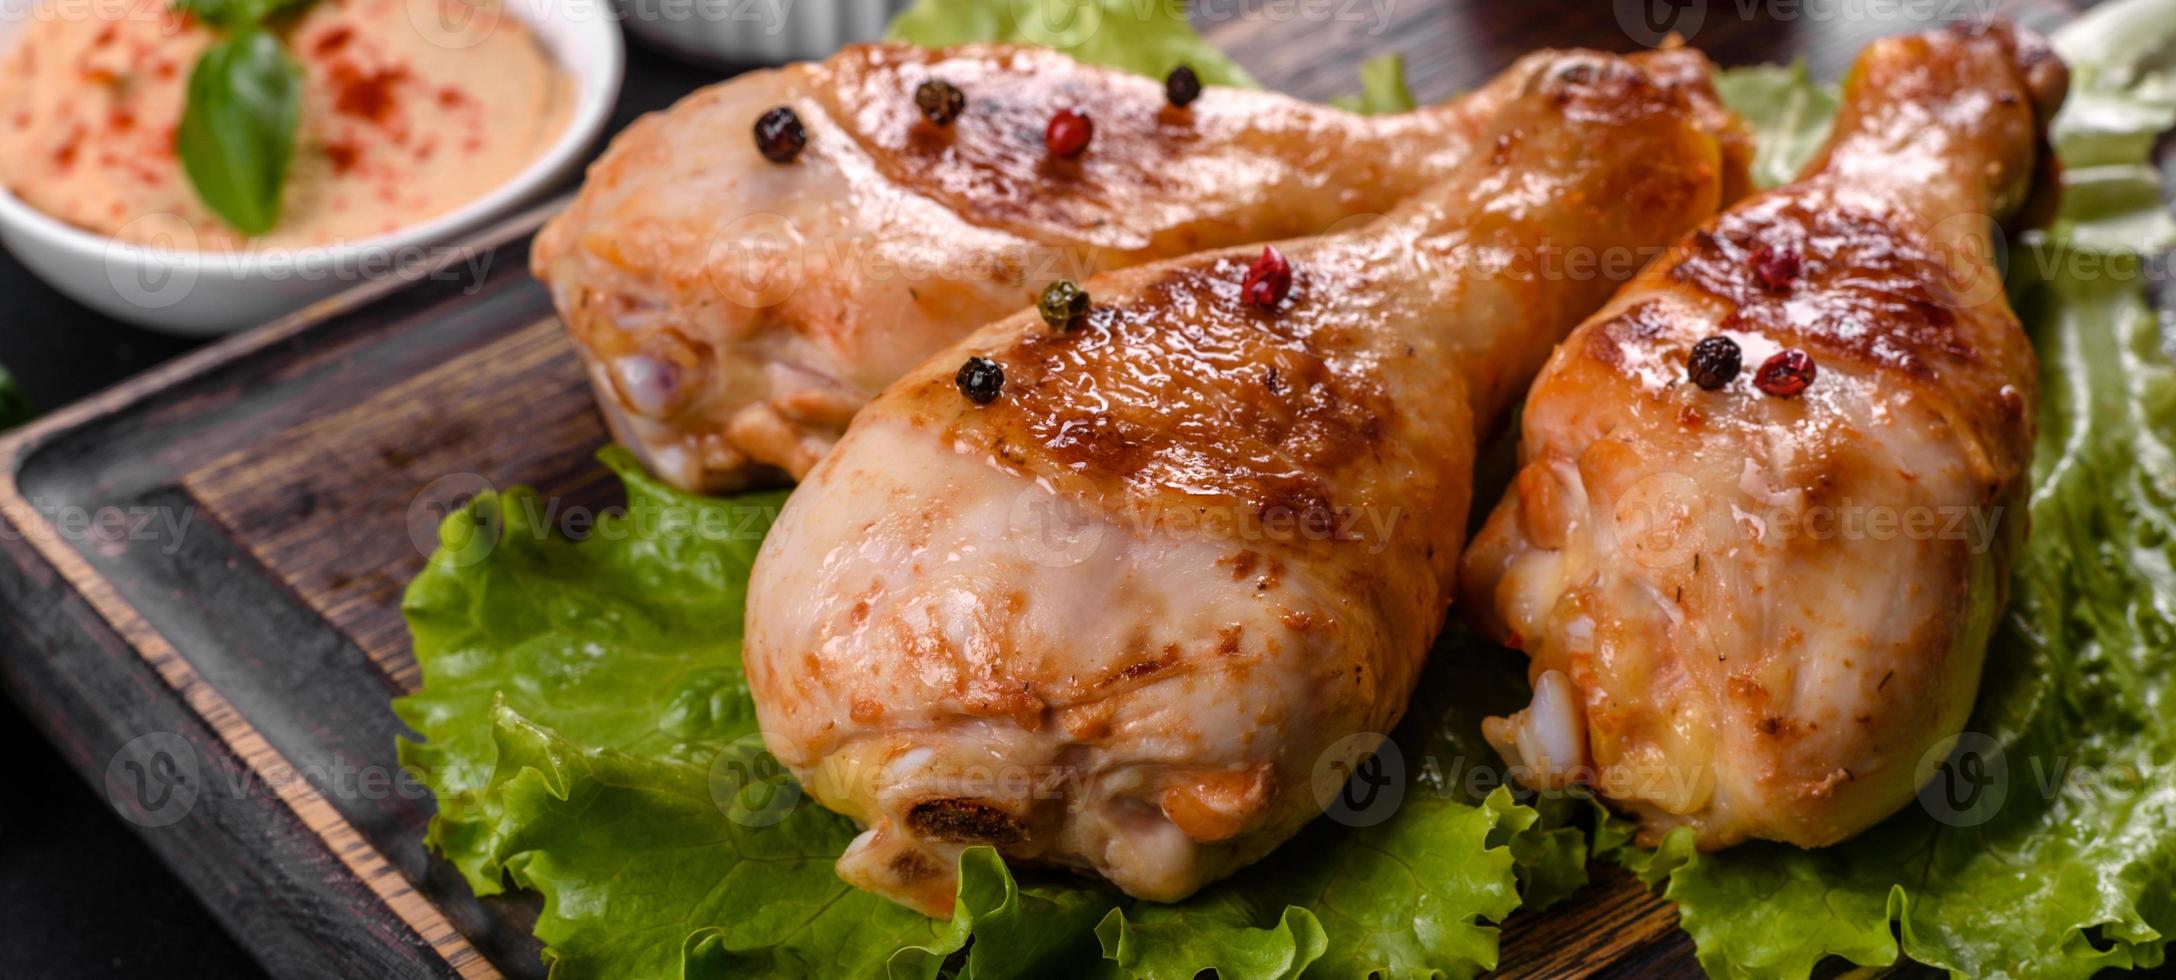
<point x="1063" y="305"/>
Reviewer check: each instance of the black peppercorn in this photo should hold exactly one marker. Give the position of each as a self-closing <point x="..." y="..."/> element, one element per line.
<point x="940" y="101"/>
<point x="1182" y="86"/>
<point x="1063" y="305"/>
<point x="980" y="379"/>
<point x="1714" y="362"/>
<point x="780" y="136"/>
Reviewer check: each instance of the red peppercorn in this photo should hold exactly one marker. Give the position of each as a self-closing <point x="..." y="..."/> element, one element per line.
<point x="1785" y="374"/>
<point x="1775" y="268"/>
<point x="1068" y="133"/>
<point x="1267" y="281"/>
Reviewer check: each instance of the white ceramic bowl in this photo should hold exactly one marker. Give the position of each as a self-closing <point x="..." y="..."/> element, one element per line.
<point x="208" y="293"/>
<point x="757" y="32"/>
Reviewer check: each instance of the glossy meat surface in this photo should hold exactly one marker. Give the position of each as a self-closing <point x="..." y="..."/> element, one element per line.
<point x="735" y="313"/>
<point x="1759" y="616"/>
<point x="1132" y="616"/>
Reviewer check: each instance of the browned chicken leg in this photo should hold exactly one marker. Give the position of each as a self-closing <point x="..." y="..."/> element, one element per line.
<point x="1756" y="598"/>
<point x="1109" y="597"/>
<point x="736" y="312"/>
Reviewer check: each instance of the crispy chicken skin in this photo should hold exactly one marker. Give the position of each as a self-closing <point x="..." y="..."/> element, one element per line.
<point x="735" y="313"/>
<point x="1753" y="615"/>
<point x="1128" y="617"/>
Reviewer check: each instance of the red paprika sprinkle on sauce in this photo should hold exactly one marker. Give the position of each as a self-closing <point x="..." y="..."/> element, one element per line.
<point x="335" y="39"/>
<point x="1785" y="374"/>
<point x="1068" y="133"/>
<point x="1775" y="268"/>
<point x="1268" y="280"/>
<point x="367" y="94"/>
<point x="342" y="156"/>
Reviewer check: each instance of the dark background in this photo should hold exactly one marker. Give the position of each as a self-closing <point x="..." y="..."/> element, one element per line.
<point x="81" y="896"/>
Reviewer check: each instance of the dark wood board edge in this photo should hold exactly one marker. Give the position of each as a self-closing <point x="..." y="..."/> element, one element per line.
<point x="241" y="845"/>
<point x="17" y="446"/>
<point x="72" y="609"/>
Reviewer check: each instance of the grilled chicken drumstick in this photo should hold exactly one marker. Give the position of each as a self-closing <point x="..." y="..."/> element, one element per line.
<point x="736" y="312"/>
<point x="1110" y="594"/>
<point x="1757" y="598"/>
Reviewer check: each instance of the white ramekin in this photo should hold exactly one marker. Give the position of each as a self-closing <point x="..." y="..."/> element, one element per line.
<point x="757" y="32"/>
<point x="207" y="293"/>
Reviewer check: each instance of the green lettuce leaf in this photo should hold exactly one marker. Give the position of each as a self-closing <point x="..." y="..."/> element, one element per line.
<point x="1787" y="110"/>
<point x="1147" y="39"/>
<point x="1398" y="899"/>
<point x="1382" y="88"/>
<point x="590" y="737"/>
<point x="592" y="637"/>
<point x="653" y="867"/>
<point x="2065" y="863"/>
<point x="1143" y="38"/>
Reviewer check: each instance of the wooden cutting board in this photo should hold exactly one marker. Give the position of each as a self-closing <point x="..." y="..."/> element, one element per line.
<point x="200" y="570"/>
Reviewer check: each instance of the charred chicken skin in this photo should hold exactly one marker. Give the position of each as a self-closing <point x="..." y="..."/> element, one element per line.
<point x="1114" y="596"/>
<point x="735" y="312"/>
<point x="1757" y="590"/>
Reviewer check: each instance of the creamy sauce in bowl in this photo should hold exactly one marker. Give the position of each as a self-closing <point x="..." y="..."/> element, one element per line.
<point x="410" y="109"/>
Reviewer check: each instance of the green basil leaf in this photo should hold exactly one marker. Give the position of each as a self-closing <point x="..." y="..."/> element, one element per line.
<point x="231" y="15"/>
<point x="237" y="132"/>
<point x="222" y="14"/>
